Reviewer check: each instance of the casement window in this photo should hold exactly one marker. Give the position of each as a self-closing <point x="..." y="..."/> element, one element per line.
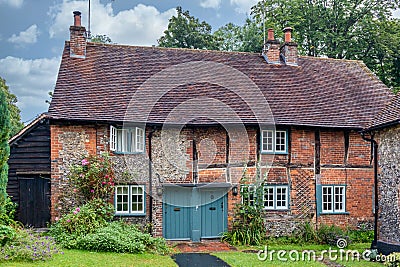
<point x="130" y="200"/>
<point x="127" y="140"/>
<point x="333" y="198"/>
<point x="276" y="197"/>
<point x="248" y="195"/>
<point x="273" y="141"/>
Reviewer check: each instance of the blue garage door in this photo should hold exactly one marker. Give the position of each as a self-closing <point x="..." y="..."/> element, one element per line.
<point x="194" y="213"/>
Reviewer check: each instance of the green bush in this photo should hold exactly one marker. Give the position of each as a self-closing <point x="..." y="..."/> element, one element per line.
<point x="121" y="238"/>
<point x="7" y="234"/>
<point x="361" y="236"/>
<point x="330" y="234"/>
<point x="81" y="221"/>
<point x="29" y="246"/>
<point x="7" y="212"/>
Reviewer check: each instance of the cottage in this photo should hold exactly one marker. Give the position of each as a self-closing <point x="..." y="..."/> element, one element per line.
<point x="183" y="126"/>
<point x="385" y="133"/>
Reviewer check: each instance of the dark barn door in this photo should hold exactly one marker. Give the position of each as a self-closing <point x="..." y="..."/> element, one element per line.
<point x="34" y="204"/>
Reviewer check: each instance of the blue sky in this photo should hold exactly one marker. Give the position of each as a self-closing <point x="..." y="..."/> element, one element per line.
<point x="32" y="35"/>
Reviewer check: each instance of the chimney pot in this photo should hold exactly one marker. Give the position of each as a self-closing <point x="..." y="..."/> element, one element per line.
<point x="288" y="34"/>
<point x="271" y="34"/>
<point x="77" y="18"/>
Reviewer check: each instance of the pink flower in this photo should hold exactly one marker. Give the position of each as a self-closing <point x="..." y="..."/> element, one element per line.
<point x="57" y="218"/>
<point x="85" y="162"/>
<point x="78" y="209"/>
<point x="75" y="212"/>
<point x="106" y="176"/>
<point x="68" y="220"/>
<point x="103" y="183"/>
<point x="92" y="191"/>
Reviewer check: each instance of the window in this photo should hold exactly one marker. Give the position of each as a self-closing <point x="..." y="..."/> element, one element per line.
<point x="273" y="141"/>
<point x="276" y="197"/>
<point x="333" y="198"/>
<point x="130" y="140"/>
<point x="249" y="194"/>
<point x="130" y="200"/>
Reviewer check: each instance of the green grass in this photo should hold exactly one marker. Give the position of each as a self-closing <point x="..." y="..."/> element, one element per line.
<point x="240" y="258"/>
<point x="78" y="258"/>
<point x="234" y="258"/>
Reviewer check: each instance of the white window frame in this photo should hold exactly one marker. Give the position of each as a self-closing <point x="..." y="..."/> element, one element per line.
<point x="333" y="198"/>
<point x="130" y="211"/>
<point x="275" y="197"/>
<point x="127" y="140"/>
<point x="251" y="191"/>
<point x="271" y="136"/>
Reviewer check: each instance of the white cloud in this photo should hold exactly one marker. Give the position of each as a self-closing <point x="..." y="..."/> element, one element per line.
<point x="396" y="14"/>
<point x="210" y="3"/>
<point x="13" y="3"/>
<point x="30" y="80"/>
<point x="141" y="25"/>
<point x="243" y="6"/>
<point x="29" y="36"/>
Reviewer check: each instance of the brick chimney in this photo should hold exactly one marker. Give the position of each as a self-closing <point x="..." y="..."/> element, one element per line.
<point x="289" y="48"/>
<point x="271" y="49"/>
<point x="77" y="37"/>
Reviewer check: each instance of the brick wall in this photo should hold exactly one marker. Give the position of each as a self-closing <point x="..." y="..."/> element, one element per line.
<point x="174" y="152"/>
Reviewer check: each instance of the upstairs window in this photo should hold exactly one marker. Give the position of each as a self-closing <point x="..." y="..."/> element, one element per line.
<point x="127" y="140"/>
<point x="273" y="141"/>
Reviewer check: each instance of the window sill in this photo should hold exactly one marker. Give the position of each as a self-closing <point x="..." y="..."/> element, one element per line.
<point x="336" y="213"/>
<point x="273" y="153"/>
<point x="130" y="215"/>
<point x="276" y="210"/>
<point x="126" y="153"/>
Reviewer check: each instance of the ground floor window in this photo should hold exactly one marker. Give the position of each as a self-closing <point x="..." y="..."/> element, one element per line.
<point x="271" y="197"/>
<point x="333" y="198"/>
<point x="130" y="200"/>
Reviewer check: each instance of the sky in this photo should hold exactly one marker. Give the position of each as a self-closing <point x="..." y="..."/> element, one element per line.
<point x="32" y="35"/>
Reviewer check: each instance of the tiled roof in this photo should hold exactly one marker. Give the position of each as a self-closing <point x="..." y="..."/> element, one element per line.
<point x="197" y="86"/>
<point x="389" y="115"/>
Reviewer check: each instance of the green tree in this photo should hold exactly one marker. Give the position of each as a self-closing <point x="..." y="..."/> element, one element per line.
<point x="101" y="38"/>
<point x="186" y="31"/>
<point x="246" y="38"/>
<point x="15" y="118"/>
<point x="344" y="29"/>
<point x="4" y="147"/>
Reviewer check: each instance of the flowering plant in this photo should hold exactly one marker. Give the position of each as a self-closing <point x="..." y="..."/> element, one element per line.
<point x="93" y="177"/>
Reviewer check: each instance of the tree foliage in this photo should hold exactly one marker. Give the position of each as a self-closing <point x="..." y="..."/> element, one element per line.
<point x="4" y="147"/>
<point x="343" y="29"/>
<point x="14" y="112"/>
<point x="101" y="38"/>
<point x="186" y="31"/>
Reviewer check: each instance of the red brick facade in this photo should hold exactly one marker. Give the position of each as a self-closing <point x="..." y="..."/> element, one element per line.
<point x="344" y="159"/>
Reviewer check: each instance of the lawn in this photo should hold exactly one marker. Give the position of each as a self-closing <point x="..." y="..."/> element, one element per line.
<point x="98" y="259"/>
<point x="245" y="256"/>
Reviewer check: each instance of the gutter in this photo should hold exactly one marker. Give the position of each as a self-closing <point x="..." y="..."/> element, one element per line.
<point x="375" y="156"/>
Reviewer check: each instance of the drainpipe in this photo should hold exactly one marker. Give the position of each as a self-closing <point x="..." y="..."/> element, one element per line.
<point x="375" y="155"/>
<point x="151" y="180"/>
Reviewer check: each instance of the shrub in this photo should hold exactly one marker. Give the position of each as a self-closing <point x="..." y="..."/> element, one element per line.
<point x="7" y="212"/>
<point x="248" y="227"/>
<point x="7" y="234"/>
<point x="361" y="236"/>
<point x="81" y="221"/>
<point x="121" y="238"/>
<point x="27" y="245"/>
<point x="93" y="178"/>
